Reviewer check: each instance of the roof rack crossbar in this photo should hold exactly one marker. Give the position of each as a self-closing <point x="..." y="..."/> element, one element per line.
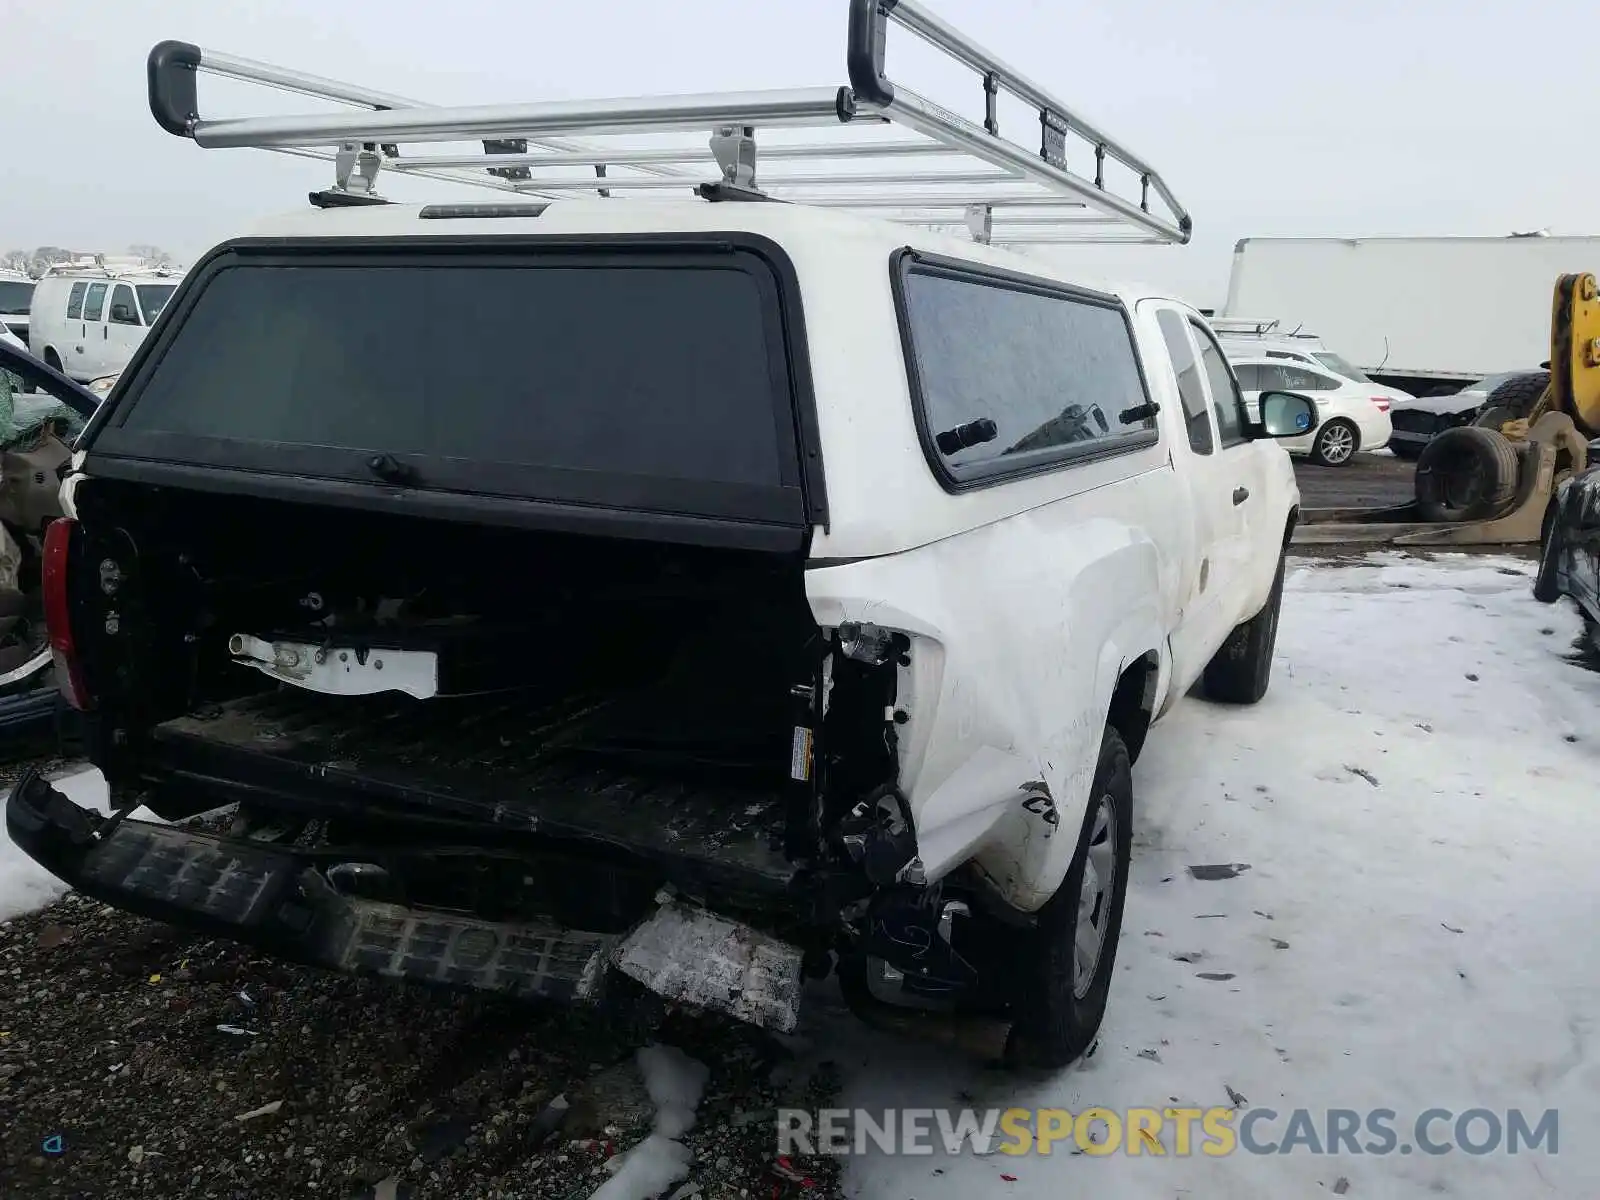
<point x="686" y="154"/>
<point x="527" y="146"/>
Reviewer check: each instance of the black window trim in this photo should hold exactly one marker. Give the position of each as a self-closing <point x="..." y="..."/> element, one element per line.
<point x="1181" y="316"/>
<point x="687" y="510"/>
<point x="907" y="259"/>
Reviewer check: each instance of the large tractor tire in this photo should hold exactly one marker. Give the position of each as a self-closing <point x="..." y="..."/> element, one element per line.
<point x="1513" y="400"/>
<point x="1466" y="474"/>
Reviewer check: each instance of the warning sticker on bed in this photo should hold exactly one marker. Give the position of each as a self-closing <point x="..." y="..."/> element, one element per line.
<point x="800" y="754"/>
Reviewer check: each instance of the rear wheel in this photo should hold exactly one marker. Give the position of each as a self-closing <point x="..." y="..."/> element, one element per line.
<point x="1336" y="443"/>
<point x="1067" y="958"/>
<point x="1241" y="670"/>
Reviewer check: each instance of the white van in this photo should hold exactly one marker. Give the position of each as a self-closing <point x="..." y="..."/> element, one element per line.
<point x="88" y="317"/>
<point x="16" y="296"/>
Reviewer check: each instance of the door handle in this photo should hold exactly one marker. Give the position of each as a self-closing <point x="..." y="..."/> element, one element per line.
<point x="1240" y="495"/>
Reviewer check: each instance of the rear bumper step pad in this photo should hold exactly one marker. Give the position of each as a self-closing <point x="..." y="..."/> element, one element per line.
<point x="273" y="897"/>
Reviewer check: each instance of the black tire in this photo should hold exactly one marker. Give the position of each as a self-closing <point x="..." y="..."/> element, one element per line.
<point x="1551" y="548"/>
<point x="1052" y="1025"/>
<point x="51" y="358"/>
<point x="1513" y="400"/>
<point x="1331" y="435"/>
<point x="1405" y="450"/>
<point x="1241" y="669"/>
<point x="1466" y="474"/>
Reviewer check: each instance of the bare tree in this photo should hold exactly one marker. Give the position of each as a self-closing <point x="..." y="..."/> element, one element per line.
<point x="16" y="260"/>
<point x="154" y="255"/>
<point x="44" y="256"/>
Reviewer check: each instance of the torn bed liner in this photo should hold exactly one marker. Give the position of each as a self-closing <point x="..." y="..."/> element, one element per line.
<point x="276" y="898"/>
<point x="709" y="826"/>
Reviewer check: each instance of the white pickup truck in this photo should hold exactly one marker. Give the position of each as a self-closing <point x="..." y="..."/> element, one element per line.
<point x="727" y="591"/>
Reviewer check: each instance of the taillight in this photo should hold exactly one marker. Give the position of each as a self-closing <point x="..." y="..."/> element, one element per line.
<point x="58" y="613"/>
<point x="1381" y="403"/>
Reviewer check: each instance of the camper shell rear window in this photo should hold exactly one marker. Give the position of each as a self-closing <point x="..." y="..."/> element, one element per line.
<point x="649" y="376"/>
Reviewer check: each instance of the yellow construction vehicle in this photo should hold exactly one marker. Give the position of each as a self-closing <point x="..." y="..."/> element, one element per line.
<point x="1491" y="482"/>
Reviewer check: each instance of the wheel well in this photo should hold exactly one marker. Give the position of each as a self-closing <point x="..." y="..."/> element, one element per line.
<point x="1134" y="701"/>
<point x="1288" y="528"/>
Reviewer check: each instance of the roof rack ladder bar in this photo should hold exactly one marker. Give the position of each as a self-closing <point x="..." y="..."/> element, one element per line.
<point x="869" y="20"/>
<point x="797" y="107"/>
<point x="252" y="71"/>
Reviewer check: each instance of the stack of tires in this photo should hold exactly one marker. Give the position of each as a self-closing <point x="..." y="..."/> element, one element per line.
<point x="1470" y="473"/>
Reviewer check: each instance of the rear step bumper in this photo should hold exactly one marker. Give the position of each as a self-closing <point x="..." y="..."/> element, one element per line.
<point x="274" y="898"/>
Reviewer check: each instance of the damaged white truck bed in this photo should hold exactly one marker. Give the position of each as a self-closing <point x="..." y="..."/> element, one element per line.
<point x="725" y="591"/>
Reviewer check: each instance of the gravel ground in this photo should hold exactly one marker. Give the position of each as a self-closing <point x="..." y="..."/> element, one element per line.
<point x="133" y="1054"/>
<point x="1367" y="481"/>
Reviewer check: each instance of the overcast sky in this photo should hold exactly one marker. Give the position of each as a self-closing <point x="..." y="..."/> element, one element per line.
<point x="1323" y="118"/>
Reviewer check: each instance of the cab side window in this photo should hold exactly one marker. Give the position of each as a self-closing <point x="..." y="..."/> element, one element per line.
<point x="1226" y="401"/>
<point x="1196" y="419"/>
<point x="75" y="301"/>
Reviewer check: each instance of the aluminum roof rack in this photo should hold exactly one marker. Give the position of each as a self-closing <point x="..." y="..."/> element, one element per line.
<point x="109" y="266"/>
<point x="1254" y="327"/>
<point x="951" y="172"/>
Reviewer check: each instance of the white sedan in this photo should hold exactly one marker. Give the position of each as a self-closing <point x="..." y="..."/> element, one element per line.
<point x="1351" y="416"/>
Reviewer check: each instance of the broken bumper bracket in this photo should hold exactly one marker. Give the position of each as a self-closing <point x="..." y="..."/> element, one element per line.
<point x="273" y="897"/>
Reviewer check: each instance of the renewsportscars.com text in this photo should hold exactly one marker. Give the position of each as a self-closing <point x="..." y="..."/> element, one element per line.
<point x="1215" y="1132"/>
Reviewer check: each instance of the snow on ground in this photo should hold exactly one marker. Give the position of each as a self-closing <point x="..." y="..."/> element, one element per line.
<point x="675" y="1083"/>
<point x="24" y="884"/>
<point x="1417" y="802"/>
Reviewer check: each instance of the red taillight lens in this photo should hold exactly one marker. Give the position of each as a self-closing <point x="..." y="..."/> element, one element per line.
<point x="58" y="613"/>
<point x="1381" y="403"/>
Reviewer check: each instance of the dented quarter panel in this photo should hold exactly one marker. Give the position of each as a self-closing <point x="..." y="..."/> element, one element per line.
<point x="1019" y="632"/>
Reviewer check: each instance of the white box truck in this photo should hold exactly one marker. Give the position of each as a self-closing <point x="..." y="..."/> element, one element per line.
<point x="1428" y="315"/>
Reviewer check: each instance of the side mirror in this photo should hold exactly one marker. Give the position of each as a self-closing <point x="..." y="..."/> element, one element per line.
<point x="122" y="314"/>
<point x="1286" y="414"/>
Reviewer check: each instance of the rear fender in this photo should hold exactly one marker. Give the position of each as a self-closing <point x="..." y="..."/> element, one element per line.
<point x="1018" y="634"/>
<point x="1028" y="853"/>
